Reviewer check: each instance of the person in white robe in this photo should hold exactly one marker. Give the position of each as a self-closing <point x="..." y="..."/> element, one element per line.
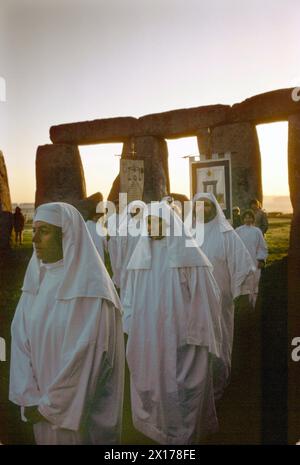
<point x="254" y="240"/>
<point x="128" y="236"/>
<point x="112" y="224"/>
<point x="94" y="224"/>
<point x="67" y="354"/>
<point x="233" y="270"/>
<point x="174" y="330"/>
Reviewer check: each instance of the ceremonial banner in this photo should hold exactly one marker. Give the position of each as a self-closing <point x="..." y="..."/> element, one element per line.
<point x="132" y="179"/>
<point x="213" y="176"/>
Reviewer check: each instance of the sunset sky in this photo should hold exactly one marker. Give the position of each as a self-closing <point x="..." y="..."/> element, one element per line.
<point x="68" y="60"/>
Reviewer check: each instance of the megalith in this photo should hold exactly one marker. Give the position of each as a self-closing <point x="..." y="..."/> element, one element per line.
<point x="4" y="186"/>
<point x="293" y="274"/>
<point x="154" y="152"/>
<point x="242" y="141"/>
<point x="6" y="218"/>
<point x="59" y="174"/>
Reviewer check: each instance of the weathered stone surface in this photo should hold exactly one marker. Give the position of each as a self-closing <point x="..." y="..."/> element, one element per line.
<point x="87" y="207"/>
<point x="182" y="123"/>
<point x="154" y="152"/>
<point x="4" y="186"/>
<point x="241" y="140"/>
<point x="5" y="208"/>
<point x="170" y="124"/>
<point x="269" y="107"/>
<point x="115" y="189"/>
<point x="294" y="273"/>
<point x="59" y="174"/>
<point x="94" y="132"/>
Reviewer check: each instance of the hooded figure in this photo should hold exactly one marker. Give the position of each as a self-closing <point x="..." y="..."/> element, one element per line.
<point x="67" y="356"/>
<point x="98" y="232"/>
<point x="128" y="236"/>
<point x="172" y="314"/>
<point x="233" y="270"/>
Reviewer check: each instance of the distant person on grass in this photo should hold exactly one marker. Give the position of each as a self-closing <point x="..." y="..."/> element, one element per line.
<point x="261" y="218"/>
<point x="256" y="245"/>
<point x="67" y="355"/>
<point x="236" y="217"/>
<point x="18" y="224"/>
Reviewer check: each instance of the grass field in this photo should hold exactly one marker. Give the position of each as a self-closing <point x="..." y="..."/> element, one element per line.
<point x="243" y="394"/>
<point x="277" y="238"/>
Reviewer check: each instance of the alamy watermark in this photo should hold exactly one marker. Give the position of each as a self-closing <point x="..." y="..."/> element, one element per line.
<point x="186" y="220"/>
<point x="296" y="94"/>
<point x="296" y="351"/>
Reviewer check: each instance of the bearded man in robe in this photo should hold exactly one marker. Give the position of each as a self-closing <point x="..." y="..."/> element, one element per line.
<point x="67" y="355"/>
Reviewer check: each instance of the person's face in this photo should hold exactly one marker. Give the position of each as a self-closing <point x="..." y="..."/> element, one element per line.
<point x="235" y="212"/>
<point x="254" y="206"/>
<point x="209" y="210"/>
<point x="248" y="220"/>
<point x="47" y="240"/>
<point x="156" y="227"/>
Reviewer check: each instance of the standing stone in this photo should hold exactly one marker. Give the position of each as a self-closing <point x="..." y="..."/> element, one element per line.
<point x="241" y="140"/>
<point x="293" y="277"/>
<point x="4" y="187"/>
<point x="59" y="174"/>
<point x="5" y="208"/>
<point x="154" y="152"/>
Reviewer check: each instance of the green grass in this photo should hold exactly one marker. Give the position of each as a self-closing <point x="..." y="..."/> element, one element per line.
<point x="277" y="238"/>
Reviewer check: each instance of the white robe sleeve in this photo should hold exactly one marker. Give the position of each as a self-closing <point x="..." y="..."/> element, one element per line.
<point x="87" y="361"/>
<point x="240" y="264"/>
<point x="127" y="301"/>
<point x="262" y="248"/>
<point x="113" y="248"/>
<point x="203" y="308"/>
<point x="23" y="388"/>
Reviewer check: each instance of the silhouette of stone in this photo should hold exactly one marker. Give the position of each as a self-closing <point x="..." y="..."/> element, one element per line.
<point x="87" y="207"/>
<point x="232" y="129"/>
<point x="94" y="132"/>
<point x="115" y="189"/>
<point x="170" y="124"/>
<point x="294" y="273"/>
<point x="183" y="122"/>
<point x="59" y="174"/>
<point x="4" y="186"/>
<point x="269" y="107"/>
<point x="6" y="217"/>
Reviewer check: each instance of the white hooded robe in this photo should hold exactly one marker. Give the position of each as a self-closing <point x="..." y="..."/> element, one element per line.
<point x="173" y="332"/>
<point x="67" y="344"/>
<point x="233" y="270"/>
<point x="254" y="240"/>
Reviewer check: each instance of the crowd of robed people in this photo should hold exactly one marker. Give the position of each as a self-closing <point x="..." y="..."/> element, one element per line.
<point x="172" y="297"/>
